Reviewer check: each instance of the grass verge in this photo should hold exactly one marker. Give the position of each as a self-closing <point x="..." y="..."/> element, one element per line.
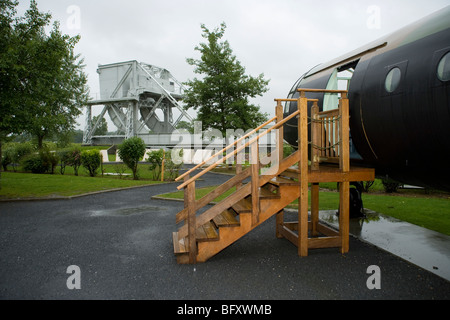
<point x="25" y="185"/>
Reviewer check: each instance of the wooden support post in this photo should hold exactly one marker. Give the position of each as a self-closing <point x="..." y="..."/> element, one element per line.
<point x="344" y="161"/>
<point x="314" y="209"/>
<point x="344" y="187"/>
<point x="279" y="224"/>
<point x="255" y="182"/>
<point x="303" y="176"/>
<point x="344" y="215"/>
<point x="191" y="222"/>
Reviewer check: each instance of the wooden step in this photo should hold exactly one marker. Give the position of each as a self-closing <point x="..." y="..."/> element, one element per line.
<point x="283" y="181"/>
<point x="243" y="206"/>
<point x="267" y="194"/>
<point x="226" y="219"/>
<point x="207" y="232"/>
<point x="179" y="245"/>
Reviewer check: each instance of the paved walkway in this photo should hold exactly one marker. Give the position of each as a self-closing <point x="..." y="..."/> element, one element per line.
<point x="121" y="242"/>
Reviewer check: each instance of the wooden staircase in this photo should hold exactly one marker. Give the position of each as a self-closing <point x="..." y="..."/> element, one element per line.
<point x="267" y="193"/>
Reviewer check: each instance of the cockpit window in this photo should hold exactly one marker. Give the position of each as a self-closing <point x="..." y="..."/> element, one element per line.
<point x="443" y="71"/>
<point x="393" y="80"/>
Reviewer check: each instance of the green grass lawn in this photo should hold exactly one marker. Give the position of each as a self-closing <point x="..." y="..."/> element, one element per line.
<point x="27" y="185"/>
<point x="431" y="213"/>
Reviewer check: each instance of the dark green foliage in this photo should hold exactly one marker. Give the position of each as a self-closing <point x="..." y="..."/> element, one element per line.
<point x="222" y="95"/>
<point x="155" y="159"/>
<point x="390" y="186"/>
<point x="91" y="161"/>
<point x="131" y="151"/>
<point x="35" y="164"/>
<point x="14" y="153"/>
<point x="42" y="83"/>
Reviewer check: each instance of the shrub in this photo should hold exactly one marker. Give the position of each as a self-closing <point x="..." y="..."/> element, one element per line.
<point x="155" y="159"/>
<point x="14" y="153"/>
<point x="91" y="161"/>
<point x="35" y="163"/>
<point x="390" y="186"/>
<point x="49" y="158"/>
<point x="74" y="159"/>
<point x="131" y="151"/>
<point x="173" y="169"/>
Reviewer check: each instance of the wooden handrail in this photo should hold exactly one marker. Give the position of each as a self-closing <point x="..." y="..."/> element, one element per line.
<point x="321" y="90"/>
<point x="225" y="149"/>
<point x="279" y="124"/>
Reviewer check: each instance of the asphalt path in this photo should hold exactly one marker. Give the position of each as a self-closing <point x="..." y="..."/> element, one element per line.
<point x="121" y="242"/>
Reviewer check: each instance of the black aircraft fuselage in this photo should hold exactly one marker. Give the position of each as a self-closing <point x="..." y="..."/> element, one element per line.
<point x="399" y="92"/>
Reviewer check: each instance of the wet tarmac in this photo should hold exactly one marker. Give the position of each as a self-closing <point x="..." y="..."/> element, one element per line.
<point x="121" y="242"/>
<point x="425" y="248"/>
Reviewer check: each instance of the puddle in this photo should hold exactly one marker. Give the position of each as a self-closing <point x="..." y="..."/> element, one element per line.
<point x="125" y="211"/>
<point x="425" y="248"/>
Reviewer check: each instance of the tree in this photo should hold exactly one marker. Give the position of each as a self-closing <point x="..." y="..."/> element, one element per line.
<point x="42" y="85"/>
<point x="102" y="128"/>
<point x="131" y="151"/>
<point x="58" y="84"/>
<point x="222" y="95"/>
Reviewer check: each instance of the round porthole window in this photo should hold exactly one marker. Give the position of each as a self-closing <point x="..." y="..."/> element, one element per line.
<point x="443" y="71"/>
<point x="393" y="80"/>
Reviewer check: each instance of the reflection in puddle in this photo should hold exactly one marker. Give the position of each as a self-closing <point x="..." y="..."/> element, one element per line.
<point x="428" y="249"/>
<point x="124" y="211"/>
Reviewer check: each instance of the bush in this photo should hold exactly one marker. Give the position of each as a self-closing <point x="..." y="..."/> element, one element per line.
<point x="390" y="186"/>
<point x="91" y="161"/>
<point x="131" y="151"/>
<point x="49" y="159"/>
<point x="35" y="163"/>
<point x="155" y="159"/>
<point x="14" y="153"/>
<point x="74" y="159"/>
<point x="173" y="169"/>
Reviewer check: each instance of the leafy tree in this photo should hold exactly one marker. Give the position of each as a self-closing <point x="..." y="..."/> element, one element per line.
<point x="60" y="91"/>
<point x="102" y="128"/>
<point x="131" y="151"/>
<point x="222" y="95"/>
<point x="42" y="85"/>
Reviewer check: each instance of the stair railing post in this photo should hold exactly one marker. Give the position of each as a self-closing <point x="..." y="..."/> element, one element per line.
<point x="280" y="143"/>
<point x="280" y="132"/>
<point x="191" y="220"/>
<point x="315" y="158"/>
<point x="303" y="175"/>
<point x="239" y="159"/>
<point x="254" y="160"/>
<point x="315" y="137"/>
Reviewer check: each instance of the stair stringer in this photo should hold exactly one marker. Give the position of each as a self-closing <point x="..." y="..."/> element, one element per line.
<point x="229" y="235"/>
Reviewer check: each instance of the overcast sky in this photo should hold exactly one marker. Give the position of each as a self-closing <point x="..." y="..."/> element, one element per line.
<point x="280" y="38"/>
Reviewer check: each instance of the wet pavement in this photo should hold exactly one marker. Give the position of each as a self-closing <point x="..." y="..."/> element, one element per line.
<point x="425" y="248"/>
<point x="122" y="243"/>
